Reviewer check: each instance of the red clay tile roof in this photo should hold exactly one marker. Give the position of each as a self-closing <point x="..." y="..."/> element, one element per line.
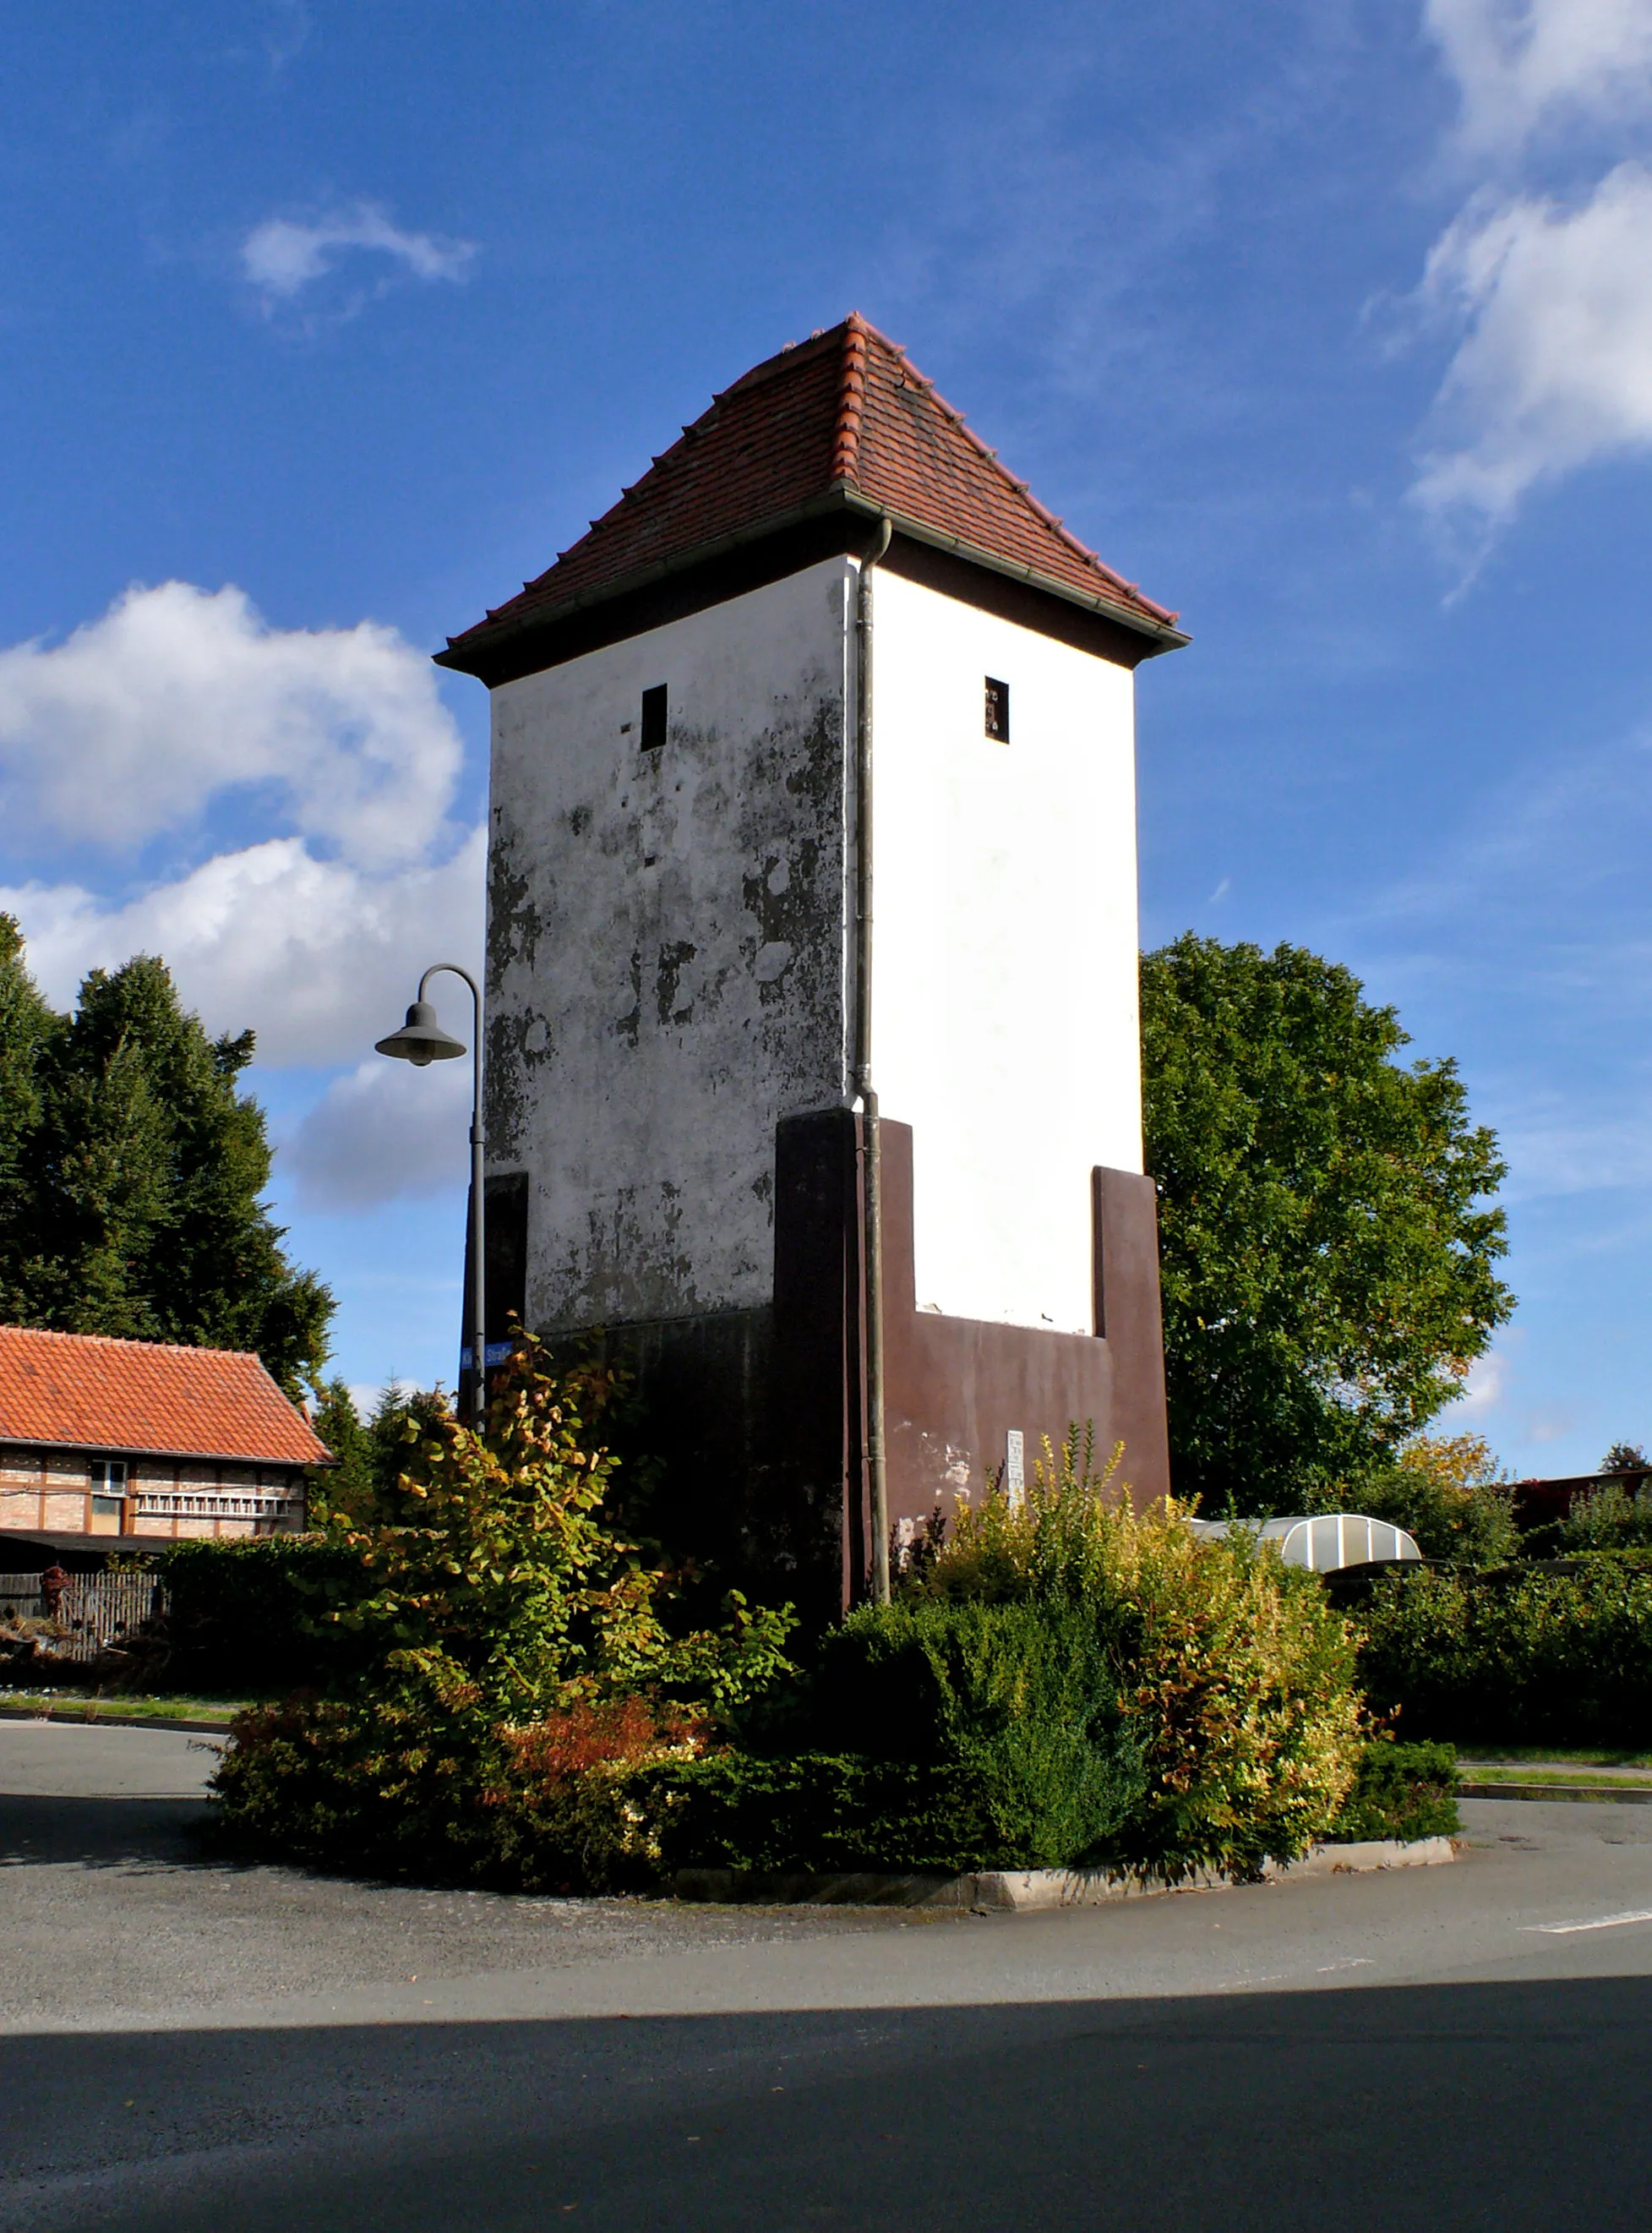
<point x="845" y="418"/>
<point x="84" y="1391"/>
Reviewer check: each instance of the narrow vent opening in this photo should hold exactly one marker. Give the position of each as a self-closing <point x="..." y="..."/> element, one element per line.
<point x="653" y="718"/>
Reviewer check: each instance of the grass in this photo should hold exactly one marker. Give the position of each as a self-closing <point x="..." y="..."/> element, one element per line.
<point x="1553" y="1756"/>
<point x="1572" y="1779"/>
<point x="88" y="1706"/>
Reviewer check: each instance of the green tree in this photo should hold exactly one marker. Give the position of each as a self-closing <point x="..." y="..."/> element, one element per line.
<point x="1626" y="1457"/>
<point x="27" y="1025"/>
<point x="364" y="1488"/>
<point x="133" y="1172"/>
<point x="1447" y="1492"/>
<point x="1327" y="1244"/>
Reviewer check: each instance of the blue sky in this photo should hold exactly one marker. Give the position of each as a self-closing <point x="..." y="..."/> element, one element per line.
<point x="323" y="326"/>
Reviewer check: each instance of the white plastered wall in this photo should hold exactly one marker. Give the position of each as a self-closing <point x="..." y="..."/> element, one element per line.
<point x="1004" y="969"/>
<point x="668" y="948"/>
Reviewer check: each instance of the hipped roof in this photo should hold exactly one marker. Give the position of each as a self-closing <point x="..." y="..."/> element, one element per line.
<point x="841" y="421"/>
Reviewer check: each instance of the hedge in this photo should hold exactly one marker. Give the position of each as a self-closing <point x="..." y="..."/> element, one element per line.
<point x="1513" y="1657"/>
<point x="1403" y="1791"/>
<point x="242" y="1616"/>
<point x="930" y="1737"/>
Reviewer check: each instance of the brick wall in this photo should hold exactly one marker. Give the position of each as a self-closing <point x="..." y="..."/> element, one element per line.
<point x="50" y="1491"/>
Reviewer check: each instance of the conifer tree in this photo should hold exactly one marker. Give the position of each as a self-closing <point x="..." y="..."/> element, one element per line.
<point x="130" y="1176"/>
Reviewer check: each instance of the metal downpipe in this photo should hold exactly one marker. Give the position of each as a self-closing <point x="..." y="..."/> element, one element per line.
<point x="871" y="1149"/>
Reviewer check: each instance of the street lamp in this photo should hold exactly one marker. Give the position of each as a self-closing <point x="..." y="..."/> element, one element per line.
<point x="421" y="1041"/>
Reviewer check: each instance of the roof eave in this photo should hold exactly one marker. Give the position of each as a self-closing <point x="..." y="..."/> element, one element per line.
<point x="1163" y="634"/>
<point x="477" y="650"/>
<point x="115" y="1443"/>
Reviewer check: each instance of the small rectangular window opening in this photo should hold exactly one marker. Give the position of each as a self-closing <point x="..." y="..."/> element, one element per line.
<point x="653" y="718"/>
<point x="108" y="1486"/>
<point x="997" y="711"/>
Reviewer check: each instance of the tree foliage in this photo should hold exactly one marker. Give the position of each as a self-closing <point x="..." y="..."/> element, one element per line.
<point x="1327" y="1241"/>
<point x="363" y="1487"/>
<point x="130" y="1173"/>
<point x="1447" y="1493"/>
<point x="1626" y="1457"/>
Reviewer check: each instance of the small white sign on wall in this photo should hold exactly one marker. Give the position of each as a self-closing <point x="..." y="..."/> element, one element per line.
<point x="1015" y="1471"/>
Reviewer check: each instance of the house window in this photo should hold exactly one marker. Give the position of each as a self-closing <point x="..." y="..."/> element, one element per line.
<point x="997" y="711"/>
<point x="653" y="718"/>
<point x="108" y="1488"/>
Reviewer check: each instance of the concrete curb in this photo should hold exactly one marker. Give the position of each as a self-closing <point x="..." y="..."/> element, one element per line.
<point x="78" y="1719"/>
<point x="1614" y="1794"/>
<point x="1020" y="1890"/>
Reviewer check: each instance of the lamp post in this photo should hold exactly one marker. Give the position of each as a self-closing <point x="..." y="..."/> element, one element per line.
<point x="421" y="1040"/>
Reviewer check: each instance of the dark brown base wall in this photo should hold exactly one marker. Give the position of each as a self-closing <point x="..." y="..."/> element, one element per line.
<point x="748" y="1441"/>
<point x="955" y="1389"/>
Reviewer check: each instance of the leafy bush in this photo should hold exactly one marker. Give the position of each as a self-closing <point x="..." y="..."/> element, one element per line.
<point x="1444" y="1491"/>
<point x="1061" y="1683"/>
<point x="1608" y="1518"/>
<point x="1400" y="1791"/>
<point x="241" y="1616"/>
<point x="1235" y="1676"/>
<point x="555" y="1806"/>
<point x="1521" y="1658"/>
<point x="515" y="1666"/>
<point x="932" y="1735"/>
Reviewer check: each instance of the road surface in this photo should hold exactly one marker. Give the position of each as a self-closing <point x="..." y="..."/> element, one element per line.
<point x="191" y="2045"/>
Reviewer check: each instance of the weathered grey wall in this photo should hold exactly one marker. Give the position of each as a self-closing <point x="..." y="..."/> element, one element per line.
<point x="668" y="948"/>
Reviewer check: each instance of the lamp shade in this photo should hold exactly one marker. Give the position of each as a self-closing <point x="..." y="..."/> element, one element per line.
<point x="421" y="1039"/>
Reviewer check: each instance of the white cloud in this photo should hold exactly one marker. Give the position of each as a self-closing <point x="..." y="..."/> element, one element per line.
<point x="320" y="957"/>
<point x="364" y="1394"/>
<point x="1483" y="1389"/>
<point x="1551" y="298"/>
<point x="283" y="255"/>
<point x="1554" y="370"/>
<point x="1523" y="64"/>
<point x="144" y="722"/>
<point x="384" y="1131"/>
<point x="178" y="695"/>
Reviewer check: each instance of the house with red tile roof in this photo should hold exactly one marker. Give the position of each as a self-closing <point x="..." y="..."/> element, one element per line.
<point x="140" y="1441"/>
<point x="813" y="1074"/>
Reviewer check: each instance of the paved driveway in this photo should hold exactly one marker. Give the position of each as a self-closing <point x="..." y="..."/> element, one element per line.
<point x="191" y="2045"/>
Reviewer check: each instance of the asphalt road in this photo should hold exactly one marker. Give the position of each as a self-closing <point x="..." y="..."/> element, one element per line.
<point x="189" y="2045"/>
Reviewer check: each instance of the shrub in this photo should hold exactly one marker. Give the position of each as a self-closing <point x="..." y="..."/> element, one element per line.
<point x="1400" y="1791"/>
<point x="1235" y="1676"/>
<point x="931" y="1736"/>
<point x="573" y="1805"/>
<point x="1521" y="1658"/>
<point x="501" y="1641"/>
<point x="1061" y="1682"/>
<point x="1444" y="1491"/>
<point x="241" y="1616"/>
<point x="1608" y="1518"/>
<point x="808" y="1813"/>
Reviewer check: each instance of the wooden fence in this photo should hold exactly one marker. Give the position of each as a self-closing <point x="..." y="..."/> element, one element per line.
<point x="89" y="1612"/>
